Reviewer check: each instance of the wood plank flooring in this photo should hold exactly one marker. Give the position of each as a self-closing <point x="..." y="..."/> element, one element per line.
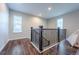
<point x="63" y="48"/>
<point x="19" y="47"/>
<point x="24" y="47"/>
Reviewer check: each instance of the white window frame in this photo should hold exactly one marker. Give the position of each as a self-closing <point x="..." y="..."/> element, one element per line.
<point x="60" y="23"/>
<point x="17" y="24"/>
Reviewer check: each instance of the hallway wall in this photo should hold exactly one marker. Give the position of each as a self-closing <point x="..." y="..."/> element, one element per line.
<point x="28" y="21"/>
<point x="71" y="22"/>
<point x="4" y="17"/>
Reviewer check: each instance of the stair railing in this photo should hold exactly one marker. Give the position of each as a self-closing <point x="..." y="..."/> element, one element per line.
<point x="41" y="37"/>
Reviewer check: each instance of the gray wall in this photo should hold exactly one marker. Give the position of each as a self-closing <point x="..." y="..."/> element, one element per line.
<point x="52" y="23"/>
<point x="27" y="22"/>
<point x="3" y="25"/>
<point x="71" y="22"/>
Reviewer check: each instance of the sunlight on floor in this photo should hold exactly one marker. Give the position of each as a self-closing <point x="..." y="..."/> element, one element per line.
<point x="17" y="50"/>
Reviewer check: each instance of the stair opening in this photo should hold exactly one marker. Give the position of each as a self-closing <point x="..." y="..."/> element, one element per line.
<point x="46" y="37"/>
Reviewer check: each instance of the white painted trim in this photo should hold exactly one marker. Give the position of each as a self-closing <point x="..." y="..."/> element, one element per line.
<point x="36" y="47"/>
<point x="46" y="48"/>
<point x="20" y="38"/>
<point x="49" y="47"/>
<point x="4" y="45"/>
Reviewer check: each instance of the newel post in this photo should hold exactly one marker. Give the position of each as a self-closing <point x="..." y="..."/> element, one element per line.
<point x="31" y="33"/>
<point x="40" y="38"/>
<point x="58" y="34"/>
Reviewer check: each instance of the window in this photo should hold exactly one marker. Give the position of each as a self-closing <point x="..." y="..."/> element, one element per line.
<point x="17" y="24"/>
<point x="60" y="23"/>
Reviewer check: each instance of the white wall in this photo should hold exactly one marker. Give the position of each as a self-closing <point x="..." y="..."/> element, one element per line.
<point x="3" y="25"/>
<point x="71" y="22"/>
<point x="27" y="22"/>
<point x="52" y="23"/>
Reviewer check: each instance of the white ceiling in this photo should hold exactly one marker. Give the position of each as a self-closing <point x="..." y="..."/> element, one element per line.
<point x="42" y="8"/>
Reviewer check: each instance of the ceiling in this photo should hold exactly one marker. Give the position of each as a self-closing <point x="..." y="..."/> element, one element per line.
<point x="41" y="9"/>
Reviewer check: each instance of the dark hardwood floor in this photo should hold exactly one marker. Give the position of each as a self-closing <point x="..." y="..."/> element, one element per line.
<point x="24" y="47"/>
<point x="19" y="47"/>
<point x="64" y="48"/>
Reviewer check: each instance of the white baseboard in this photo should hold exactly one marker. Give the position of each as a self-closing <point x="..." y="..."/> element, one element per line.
<point x="7" y="42"/>
<point x="36" y="47"/>
<point x="46" y="48"/>
<point x="4" y="45"/>
<point x="20" y="38"/>
<point x="49" y="47"/>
